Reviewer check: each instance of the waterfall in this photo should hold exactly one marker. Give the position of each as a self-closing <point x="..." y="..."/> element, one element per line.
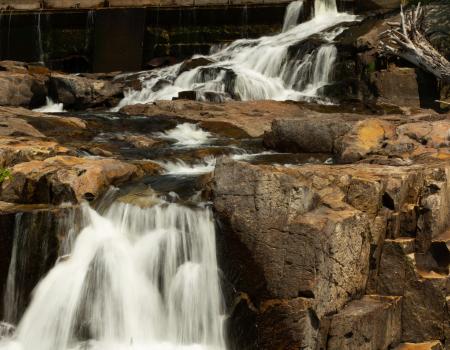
<point x="325" y="8"/>
<point x="89" y="29"/>
<point x="136" y="278"/>
<point x="39" y="35"/>
<point x="50" y="107"/>
<point x="292" y="13"/>
<point x="256" y="69"/>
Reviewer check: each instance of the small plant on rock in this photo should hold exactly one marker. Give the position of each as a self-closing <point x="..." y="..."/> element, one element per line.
<point x="4" y="174"/>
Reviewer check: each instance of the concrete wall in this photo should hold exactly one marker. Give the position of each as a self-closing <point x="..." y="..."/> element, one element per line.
<point x="129" y="39"/>
<point x="90" y="4"/>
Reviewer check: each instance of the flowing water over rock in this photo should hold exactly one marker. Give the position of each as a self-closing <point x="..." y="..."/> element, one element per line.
<point x="292" y="13"/>
<point x="186" y="134"/>
<point x="255" y="69"/>
<point x="50" y="107"/>
<point x="136" y="278"/>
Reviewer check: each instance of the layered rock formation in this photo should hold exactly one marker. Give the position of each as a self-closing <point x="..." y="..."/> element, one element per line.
<point x="347" y="256"/>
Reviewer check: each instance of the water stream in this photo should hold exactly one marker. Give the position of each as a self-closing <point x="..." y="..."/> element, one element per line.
<point x="255" y="69"/>
<point x="136" y="278"/>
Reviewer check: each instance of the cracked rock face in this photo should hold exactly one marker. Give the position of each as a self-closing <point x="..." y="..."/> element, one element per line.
<point x="308" y="242"/>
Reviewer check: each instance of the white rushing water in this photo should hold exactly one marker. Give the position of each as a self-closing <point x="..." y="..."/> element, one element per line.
<point x="186" y="134"/>
<point x="50" y="107"/>
<point x="256" y="69"/>
<point x="292" y="13"/>
<point x="180" y="167"/>
<point x="136" y="278"/>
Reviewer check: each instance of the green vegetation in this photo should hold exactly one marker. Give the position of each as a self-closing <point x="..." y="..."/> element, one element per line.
<point x="4" y="174"/>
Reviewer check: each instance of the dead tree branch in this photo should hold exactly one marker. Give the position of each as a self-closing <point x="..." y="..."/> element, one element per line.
<point x="405" y="40"/>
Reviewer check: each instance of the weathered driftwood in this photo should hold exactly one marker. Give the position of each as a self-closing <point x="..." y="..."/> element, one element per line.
<point x="405" y="40"/>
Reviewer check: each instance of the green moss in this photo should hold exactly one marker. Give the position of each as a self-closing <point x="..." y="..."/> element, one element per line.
<point x="5" y="174"/>
<point x="371" y="67"/>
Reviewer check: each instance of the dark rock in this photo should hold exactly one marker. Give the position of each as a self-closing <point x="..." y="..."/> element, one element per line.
<point x="78" y="92"/>
<point x="315" y="134"/>
<point x="373" y="322"/>
<point x="22" y="89"/>
<point x="42" y="230"/>
<point x="398" y="86"/>
<point x="187" y="95"/>
<point x="194" y="63"/>
<point x="158" y="62"/>
<point x="424" y="293"/>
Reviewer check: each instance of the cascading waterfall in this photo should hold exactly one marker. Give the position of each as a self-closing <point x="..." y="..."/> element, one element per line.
<point x="325" y="7"/>
<point x="256" y="69"/>
<point x="292" y="13"/>
<point x="136" y="278"/>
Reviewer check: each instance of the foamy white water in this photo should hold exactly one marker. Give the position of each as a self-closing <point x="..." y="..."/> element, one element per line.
<point x="247" y="156"/>
<point x="186" y="134"/>
<point x="135" y="279"/>
<point x="180" y="167"/>
<point x="50" y="107"/>
<point x="325" y="8"/>
<point x="256" y="69"/>
<point x="292" y="13"/>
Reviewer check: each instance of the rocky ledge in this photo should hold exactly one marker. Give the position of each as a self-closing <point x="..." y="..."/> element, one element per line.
<point x="353" y="255"/>
<point x="28" y="85"/>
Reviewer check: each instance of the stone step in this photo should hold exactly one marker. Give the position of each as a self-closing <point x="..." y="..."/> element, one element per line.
<point x="432" y="345"/>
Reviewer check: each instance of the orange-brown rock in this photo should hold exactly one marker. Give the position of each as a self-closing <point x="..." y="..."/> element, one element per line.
<point x="141" y="141"/>
<point x="305" y="231"/>
<point x="432" y="345"/>
<point x="22" y="89"/>
<point x="62" y="179"/>
<point x="393" y="139"/>
<point x="23" y="149"/>
<point x="251" y="118"/>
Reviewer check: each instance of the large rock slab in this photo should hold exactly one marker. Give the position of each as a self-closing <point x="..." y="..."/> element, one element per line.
<point x="22" y="89"/>
<point x="373" y="322"/>
<point x="79" y="92"/>
<point x="398" y="86"/>
<point x="390" y="140"/>
<point x="300" y="245"/>
<point x="64" y="179"/>
<point x="424" y="305"/>
<point x="301" y="236"/>
<point x="234" y="118"/>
